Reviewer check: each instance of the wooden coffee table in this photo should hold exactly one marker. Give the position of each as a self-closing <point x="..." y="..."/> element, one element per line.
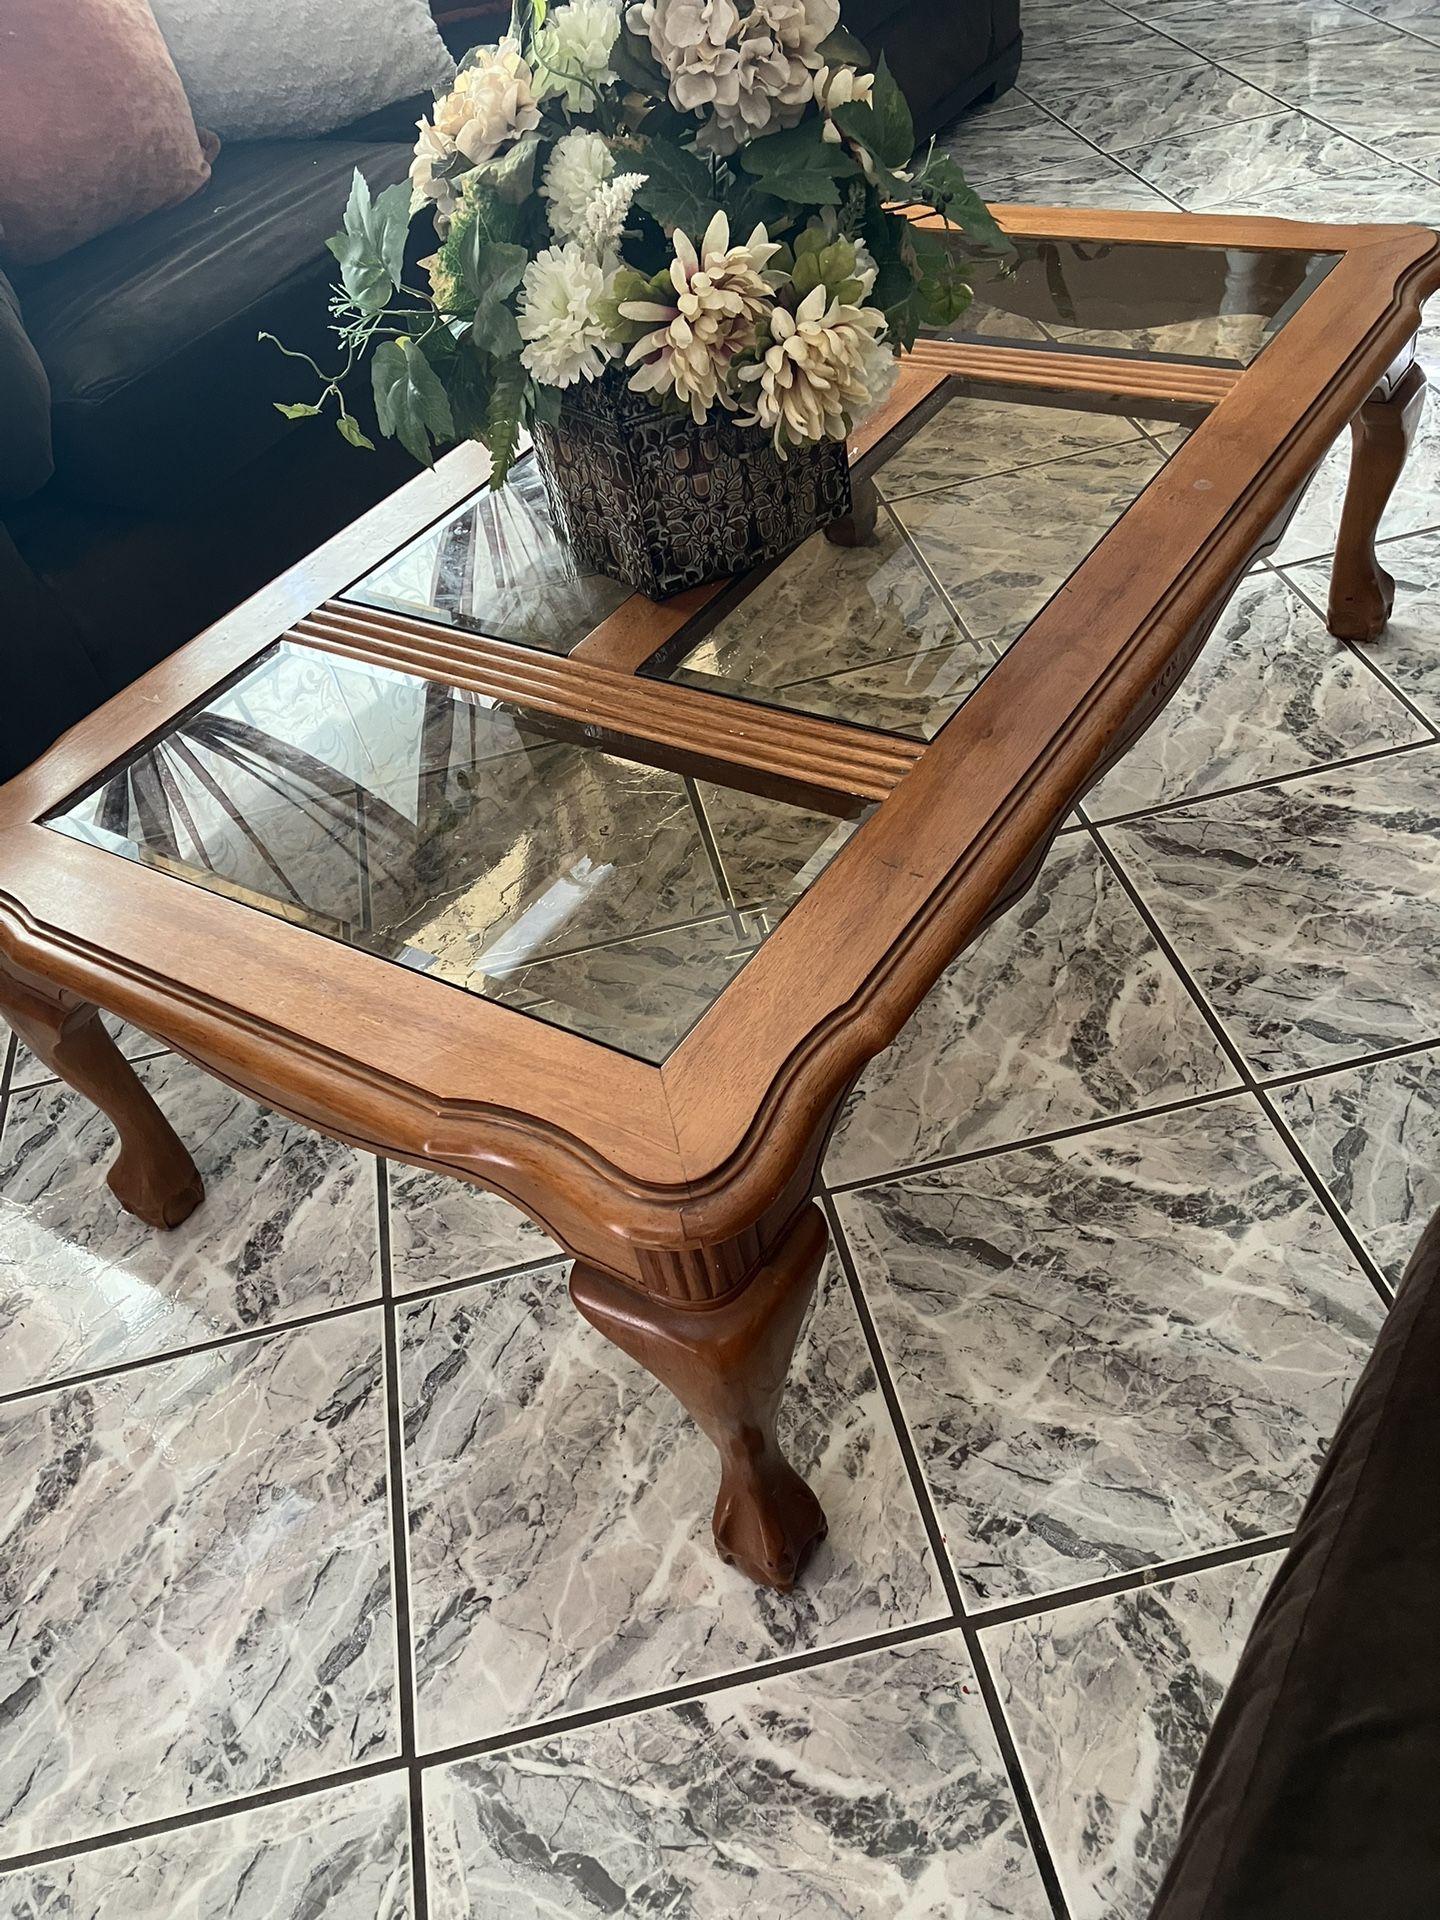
<point x="603" y="905"/>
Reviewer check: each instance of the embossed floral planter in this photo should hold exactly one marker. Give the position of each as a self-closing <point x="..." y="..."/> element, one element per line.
<point x="661" y="504"/>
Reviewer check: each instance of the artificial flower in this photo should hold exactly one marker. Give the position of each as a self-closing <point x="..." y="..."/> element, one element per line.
<point x="561" y="317"/>
<point x="580" y="165"/>
<point x="815" y="375"/>
<point x="573" y="51"/>
<point x="799" y="25"/>
<point x="693" y="42"/>
<point x="721" y="294"/>
<point x="771" y="89"/>
<point x="492" y="103"/>
<point x="600" y="227"/>
<point x="838" y="87"/>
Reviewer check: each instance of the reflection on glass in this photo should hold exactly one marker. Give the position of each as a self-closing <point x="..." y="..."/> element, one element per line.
<point x="1215" y="304"/>
<point x="465" y="839"/>
<point x="987" y="507"/>
<point x="497" y="567"/>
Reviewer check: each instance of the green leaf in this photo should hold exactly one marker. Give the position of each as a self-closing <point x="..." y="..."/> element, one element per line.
<point x="941" y="184"/>
<point x="410" y="402"/>
<point x="842" y="49"/>
<point x="800" y="164"/>
<point x="465" y="375"/>
<point x="678" y="190"/>
<point x="502" y="424"/>
<point x="490" y="274"/>
<point x="545" y="403"/>
<point x="351" y="430"/>
<point x="885" y="130"/>
<point x="296" y="410"/>
<point x="371" y="250"/>
<point x="512" y="175"/>
<point x="636" y="66"/>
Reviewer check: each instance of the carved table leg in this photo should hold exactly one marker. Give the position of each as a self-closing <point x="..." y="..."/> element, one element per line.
<point x="153" y="1176"/>
<point x="1362" y="593"/>
<point x="726" y="1364"/>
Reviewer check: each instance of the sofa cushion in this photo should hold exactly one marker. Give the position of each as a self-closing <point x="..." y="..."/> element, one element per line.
<point x="95" y="128"/>
<point x="160" y="385"/>
<point x="25" y="456"/>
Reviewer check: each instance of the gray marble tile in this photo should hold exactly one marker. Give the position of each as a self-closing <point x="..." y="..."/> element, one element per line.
<point x="869" y="1789"/>
<point x="287" y="1227"/>
<point x="1122" y="98"/>
<point x="559" y="1514"/>
<point x="443" y="1230"/>
<point x="1063" y="1012"/>
<point x="1110" y="1702"/>
<point x="1115" y="1350"/>
<point x="197" y="1601"/>
<point x="1309" y="913"/>
<point x="973" y="436"/>
<point x="913" y="696"/>
<point x="1037" y="160"/>
<point x="1272" y="693"/>
<point x="1083" y="38"/>
<point x="342" y="1853"/>
<point x="1327" y="29"/>
<point x="1380" y="88"/>
<point x="1287" y="163"/>
<point x="1372" y="1133"/>
<point x="1416" y="16"/>
<point x="1408" y="652"/>
<point x="1001" y="545"/>
<point x="27" y="1071"/>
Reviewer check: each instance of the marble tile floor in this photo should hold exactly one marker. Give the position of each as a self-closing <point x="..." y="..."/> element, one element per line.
<point x="336" y="1574"/>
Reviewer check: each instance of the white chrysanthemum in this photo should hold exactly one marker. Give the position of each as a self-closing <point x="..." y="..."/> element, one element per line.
<point x="772" y="89"/>
<point x="693" y="42"/>
<point x="560" y="317"/>
<point x="721" y="294"/>
<point x="580" y="165"/>
<point x="600" y="226"/>
<point x="815" y="375"/>
<point x="837" y="87"/>
<point x="573" y="51"/>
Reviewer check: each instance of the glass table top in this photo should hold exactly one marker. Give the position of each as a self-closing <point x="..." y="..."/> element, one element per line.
<point x="466" y="839"/>
<point x="986" y="509"/>
<point x="1215" y="305"/>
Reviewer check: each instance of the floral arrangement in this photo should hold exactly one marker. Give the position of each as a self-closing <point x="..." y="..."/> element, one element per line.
<point x="692" y="196"/>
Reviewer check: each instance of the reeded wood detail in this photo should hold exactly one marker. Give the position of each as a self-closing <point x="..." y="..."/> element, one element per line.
<point x="1126" y="378"/>
<point x="699" y="1274"/>
<point x="838" y="760"/>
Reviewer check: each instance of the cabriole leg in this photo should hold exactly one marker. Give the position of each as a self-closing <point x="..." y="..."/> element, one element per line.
<point x="726" y="1364"/>
<point x="1362" y="593"/>
<point x="153" y="1176"/>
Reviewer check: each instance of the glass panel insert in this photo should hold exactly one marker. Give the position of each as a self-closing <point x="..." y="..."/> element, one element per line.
<point x="466" y="839"/>
<point x="987" y="506"/>
<point x="1217" y="305"/>
<point x="496" y="567"/>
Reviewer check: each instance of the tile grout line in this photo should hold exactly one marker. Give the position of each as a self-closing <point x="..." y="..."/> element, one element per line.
<point x="1156" y="1574"/>
<point x="1320" y="767"/>
<point x="201" y="1816"/>
<point x="1241" y="1066"/>
<point x="1009" y="1755"/>
<point x="400" y="1549"/>
<point x="1285" y="106"/>
<point x="1095" y="147"/>
<point x="1100" y="1124"/>
<point x="1275" y="1082"/>
<point x="1364" y="651"/>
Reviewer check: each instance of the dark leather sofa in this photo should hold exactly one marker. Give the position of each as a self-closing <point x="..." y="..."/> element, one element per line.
<point x="147" y="484"/>
<point x="1317" y="1796"/>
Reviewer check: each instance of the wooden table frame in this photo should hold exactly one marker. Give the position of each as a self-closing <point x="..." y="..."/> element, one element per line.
<point x="684" y="1190"/>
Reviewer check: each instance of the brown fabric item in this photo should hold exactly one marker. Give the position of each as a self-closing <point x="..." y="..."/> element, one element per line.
<point x="95" y="129"/>
<point x="1317" y="1791"/>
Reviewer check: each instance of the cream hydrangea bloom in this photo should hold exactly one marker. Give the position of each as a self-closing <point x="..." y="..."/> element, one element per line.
<point x="818" y="371"/>
<point x="560" y="317"/>
<point x="492" y="103"/>
<point x="693" y="42"/>
<point x="721" y="294"/>
<point x="573" y="51"/>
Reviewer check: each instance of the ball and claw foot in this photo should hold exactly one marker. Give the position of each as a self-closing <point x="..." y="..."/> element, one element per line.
<point x="767" y="1522"/>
